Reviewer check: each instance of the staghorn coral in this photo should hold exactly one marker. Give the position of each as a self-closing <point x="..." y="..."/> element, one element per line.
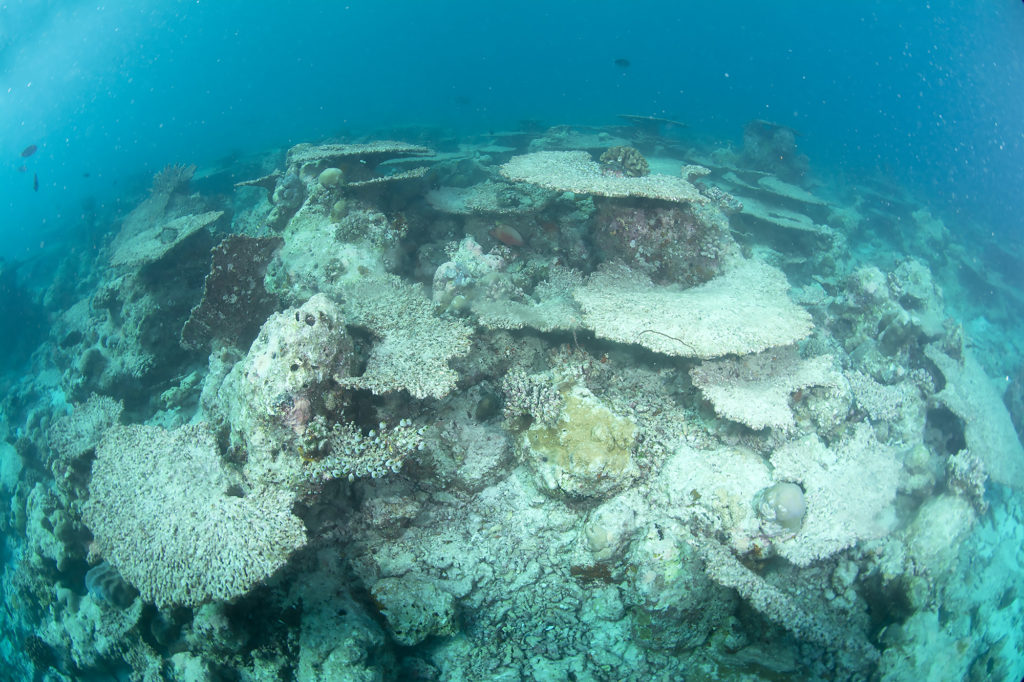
<point x="222" y="538"/>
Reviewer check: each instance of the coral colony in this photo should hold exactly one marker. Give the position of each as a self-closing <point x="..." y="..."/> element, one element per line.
<point x="539" y="407"/>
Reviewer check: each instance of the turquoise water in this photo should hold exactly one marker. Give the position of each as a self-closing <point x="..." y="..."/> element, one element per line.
<point x="526" y="413"/>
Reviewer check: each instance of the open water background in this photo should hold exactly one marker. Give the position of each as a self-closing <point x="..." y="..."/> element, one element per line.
<point x="928" y="95"/>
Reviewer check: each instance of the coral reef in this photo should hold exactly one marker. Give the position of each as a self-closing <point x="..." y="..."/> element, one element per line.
<point x="554" y="418"/>
<point x="772" y="147"/>
<point x="415" y="344"/>
<point x="588" y="451"/>
<point x="685" y="244"/>
<point x="988" y="429"/>
<point x="576" y="172"/>
<point x="835" y="518"/>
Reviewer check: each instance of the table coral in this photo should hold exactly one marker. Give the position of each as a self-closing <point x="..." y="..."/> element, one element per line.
<point x="756" y="390"/>
<point x="222" y="538"/>
<point x="576" y="172"/>
<point x="745" y="310"/>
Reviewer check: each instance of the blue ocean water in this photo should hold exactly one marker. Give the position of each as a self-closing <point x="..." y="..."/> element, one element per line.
<point x="911" y="116"/>
<point x="927" y="94"/>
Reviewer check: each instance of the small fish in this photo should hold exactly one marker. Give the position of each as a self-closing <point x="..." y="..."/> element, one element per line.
<point x="507" y="235"/>
<point x="28" y="151"/>
<point x="35" y="182"/>
<point x="622" y="63"/>
<point x="22" y="168"/>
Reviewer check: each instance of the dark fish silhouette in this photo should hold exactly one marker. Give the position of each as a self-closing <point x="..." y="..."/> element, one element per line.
<point x="35" y="182"/>
<point x="622" y="63"/>
<point x="22" y="168"/>
<point x="28" y="151"/>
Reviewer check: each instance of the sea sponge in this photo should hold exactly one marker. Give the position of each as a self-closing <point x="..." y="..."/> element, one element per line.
<point x="782" y="504"/>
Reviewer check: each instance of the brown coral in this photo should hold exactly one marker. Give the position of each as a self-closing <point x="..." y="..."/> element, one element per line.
<point x="625" y="161"/>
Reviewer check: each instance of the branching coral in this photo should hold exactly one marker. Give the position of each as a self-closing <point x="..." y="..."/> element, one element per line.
<point x="531" y="394"/>
<point x="626" y="161"/>
<point x="342" y="451"/>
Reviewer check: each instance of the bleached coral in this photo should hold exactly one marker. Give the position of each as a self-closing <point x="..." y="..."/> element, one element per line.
<point x="413" y="346"/>
<point x="756" y="390"/>
<point x="177" y="524"/>
<point x="780" y="607"/>
<point x="549" y="307"/>
<point x="576" y="172"/>
<point x="535" y="395"/>
<point x="296" y="354"/>
<point x="160" y="238"/>
<point x="348" y="156"/>
<point x="881" y="402"/>
<point x="342" y="451"/>
<point x="73" y="436"/>
<point x="494" y="198"/>
<point x="467" y="271"/>
<point x="849" y="491"/>
<point x="988" y="428"/>
<point x="745" y="310"/>
<point x="589" y="451"/>
<point x="967" y="478"/>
